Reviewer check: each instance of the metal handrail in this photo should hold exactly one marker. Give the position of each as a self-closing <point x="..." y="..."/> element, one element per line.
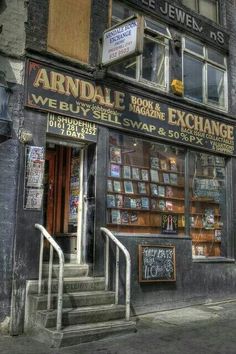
<point x="119" y="246"/>
<point x="53" y="245"/>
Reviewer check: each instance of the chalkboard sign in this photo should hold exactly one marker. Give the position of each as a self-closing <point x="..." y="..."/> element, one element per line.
<point x="156" y="263"/>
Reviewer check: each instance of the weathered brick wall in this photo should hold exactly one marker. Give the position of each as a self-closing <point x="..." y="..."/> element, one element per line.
<point x="231" y="27"/>
<point x="13" y="14"/>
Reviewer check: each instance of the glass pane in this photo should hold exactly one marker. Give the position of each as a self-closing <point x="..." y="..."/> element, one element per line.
<point x="145" y="187"/>
<point x="156" y="27"/>
<point x="120" y="12"/>
<point x="215" y="86"/>
<point x="190" y="3"/>
<point x="208" y="8"/>
<point x="153" y="62"/>
<point x="193" y="86"/>
<point x="215" y="56"/>
<point x="127" y="68"/>
<point x="207" y="204"/>
<point x="74" y="190"/>
<point x="194" y="46"/>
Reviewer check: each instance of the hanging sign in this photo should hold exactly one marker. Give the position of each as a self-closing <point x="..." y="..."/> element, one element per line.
<point x="122" y="41"/>
<point x="57" y="91"/>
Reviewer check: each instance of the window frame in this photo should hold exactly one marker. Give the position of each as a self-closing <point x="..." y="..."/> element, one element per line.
<point x="206" y="62"/>
<point x="226" y="243"/>
<point x="161" y="39"/>
<point x="197" y="9"/>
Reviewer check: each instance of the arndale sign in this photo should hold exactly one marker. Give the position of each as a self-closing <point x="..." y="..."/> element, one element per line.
<point x="122" y="41"/>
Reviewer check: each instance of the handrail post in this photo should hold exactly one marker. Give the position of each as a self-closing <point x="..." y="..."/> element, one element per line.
<point x="53" y="245"/>
<point x="119" y="246"/>
<point x="107" y="260"/>
<point x="117" y="274"/>
<point x="50" y="277"/>
<point x="40" y="265"/>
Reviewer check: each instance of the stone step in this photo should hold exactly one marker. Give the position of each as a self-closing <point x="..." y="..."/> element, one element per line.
<point x="70" y="270"/>
<point x="92" y="314"/>
<point x="78" y="334"/>
<point x="72" y="284"/>
<point x="73" y="300"/>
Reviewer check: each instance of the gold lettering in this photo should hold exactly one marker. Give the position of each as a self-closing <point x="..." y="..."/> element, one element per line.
<point x="42" y="78"/>
<point x="72" y="86"/>
<point x="86" y="91"/>
<point x="187" y="121"/>
<point x="171" y="116"/>
<point x="57" y="81"/>
<point x="119" y="100"/>
<point x="98" y="95"/>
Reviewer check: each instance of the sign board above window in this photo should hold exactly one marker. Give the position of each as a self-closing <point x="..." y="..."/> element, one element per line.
<point x="122" y="41"/>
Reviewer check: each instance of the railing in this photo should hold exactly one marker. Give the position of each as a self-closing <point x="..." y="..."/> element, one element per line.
<point x="109" y="235"/>
<point x="53" y="245"/>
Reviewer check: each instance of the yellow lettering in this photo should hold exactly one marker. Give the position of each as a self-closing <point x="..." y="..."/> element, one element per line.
<point x="42" y="79"/>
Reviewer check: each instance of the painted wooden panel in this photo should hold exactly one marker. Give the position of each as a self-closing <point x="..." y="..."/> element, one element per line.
<point x="69" y="28"/>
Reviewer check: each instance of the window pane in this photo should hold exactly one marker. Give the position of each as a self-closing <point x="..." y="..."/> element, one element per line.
<point x="153" y="62"/>
<point x="145" y="187"/>
<point x="127" y="68"/>
<point x="207" y="206"/>
<point x="157" y="28"/>
<point x="216" y="90"/>
<point x="216" y="56"/>
<point x="190" y="3"/>
<point x="208" y="8"/>
<point x="194" y="46"/>
<point x="193" y="86"/>
<point x="120" y="12"/>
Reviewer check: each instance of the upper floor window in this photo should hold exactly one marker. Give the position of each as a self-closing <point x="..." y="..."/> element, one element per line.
<point x="204" y="74"/>
<point x="207" y="8"/>
<point x="152" y="66"/>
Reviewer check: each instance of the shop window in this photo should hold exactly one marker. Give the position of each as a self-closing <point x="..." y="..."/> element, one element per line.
<point x="207" y="8"/>
<point x="152" y="66"/>
<point x="208" y="204"/>
<point x="204" y="74"/>
<point x="147" y="193"/>
<point x="145" y="187"/>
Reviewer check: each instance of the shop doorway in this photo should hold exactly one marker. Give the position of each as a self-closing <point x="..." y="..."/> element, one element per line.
<point x="65" y="198"/>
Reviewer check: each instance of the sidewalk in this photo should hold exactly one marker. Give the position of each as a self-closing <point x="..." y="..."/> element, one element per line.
<point x="205" y="329"/>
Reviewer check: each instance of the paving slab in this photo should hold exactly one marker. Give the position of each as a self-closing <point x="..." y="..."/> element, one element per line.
<point x="205" y="329"/>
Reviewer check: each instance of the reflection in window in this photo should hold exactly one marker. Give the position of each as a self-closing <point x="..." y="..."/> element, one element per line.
<point x="193" y="78"/>
<point x="152" y="66"/>
<point x="207" y="8"/>
<point x="204" y="74"/>
<point x="207" y="206"/>
<point x="145" y="187"/>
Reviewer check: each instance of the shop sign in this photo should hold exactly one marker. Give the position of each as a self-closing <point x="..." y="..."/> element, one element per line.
<point x="156" y="263"/>
<point x="71" y="128"/>
<point x="54" y="90"/>
<point x="122" y="41"/>
<point x="186" y="20"/>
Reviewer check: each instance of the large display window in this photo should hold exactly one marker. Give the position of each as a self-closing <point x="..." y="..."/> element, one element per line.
<point x="153" y="188"/>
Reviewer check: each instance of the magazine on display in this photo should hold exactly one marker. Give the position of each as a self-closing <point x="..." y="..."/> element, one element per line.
<point x="115" y="155"/>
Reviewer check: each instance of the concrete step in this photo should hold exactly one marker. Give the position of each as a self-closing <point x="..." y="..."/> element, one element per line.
<point x="92" y="314"/>
<point x="70" y="270"/>
<point x="78" y="334"/>
<point x="72" y="284"/>
<point x="73" y="300"/>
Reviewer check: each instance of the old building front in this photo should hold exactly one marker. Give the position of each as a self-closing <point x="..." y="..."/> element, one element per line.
<point x="143" y="146"/>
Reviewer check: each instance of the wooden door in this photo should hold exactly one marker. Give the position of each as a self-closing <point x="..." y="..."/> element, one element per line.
<point x="49" y="190"/>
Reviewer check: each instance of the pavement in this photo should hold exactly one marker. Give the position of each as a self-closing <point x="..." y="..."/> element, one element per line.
<point x="203" y="329"/>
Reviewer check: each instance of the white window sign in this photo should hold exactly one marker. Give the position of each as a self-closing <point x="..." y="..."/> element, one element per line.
<point x="122" y="40"/>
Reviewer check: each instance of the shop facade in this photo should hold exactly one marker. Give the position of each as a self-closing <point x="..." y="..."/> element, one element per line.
<point x="144" y="147"/>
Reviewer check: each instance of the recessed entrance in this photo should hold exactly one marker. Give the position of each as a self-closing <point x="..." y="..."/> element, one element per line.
<point x="66" y="188"/>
